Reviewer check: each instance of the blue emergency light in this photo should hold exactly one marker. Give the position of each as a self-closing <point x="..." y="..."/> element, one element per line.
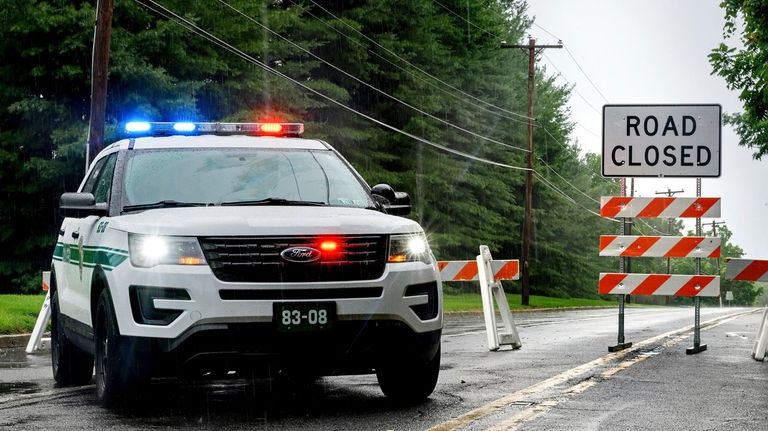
<point x="147" y="128"/>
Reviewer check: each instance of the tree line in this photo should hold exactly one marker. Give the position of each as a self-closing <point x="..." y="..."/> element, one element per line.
<point x="430" y="69"/>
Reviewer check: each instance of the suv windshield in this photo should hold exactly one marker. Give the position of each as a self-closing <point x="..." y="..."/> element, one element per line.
<point x="246" y="176"/>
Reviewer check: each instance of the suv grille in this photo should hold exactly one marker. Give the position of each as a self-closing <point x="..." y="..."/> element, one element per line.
<point x="257" y="259"/>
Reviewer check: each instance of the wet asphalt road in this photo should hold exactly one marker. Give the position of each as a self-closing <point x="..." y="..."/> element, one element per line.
<point x="562" y="378"/>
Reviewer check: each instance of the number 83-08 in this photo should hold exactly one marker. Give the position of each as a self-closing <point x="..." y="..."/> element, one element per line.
<point x="313" y="317"/>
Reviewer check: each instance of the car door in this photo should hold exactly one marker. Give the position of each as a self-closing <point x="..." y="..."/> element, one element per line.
<point x="82" y="242"/>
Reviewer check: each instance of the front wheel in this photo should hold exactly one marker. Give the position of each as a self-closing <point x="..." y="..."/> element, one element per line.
<point x="406" y="382"/>
<point x="120" y="370"/>
<point x="71" y="366"/>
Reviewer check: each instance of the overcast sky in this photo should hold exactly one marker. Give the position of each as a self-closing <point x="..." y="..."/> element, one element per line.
<point x="655" y="51"/>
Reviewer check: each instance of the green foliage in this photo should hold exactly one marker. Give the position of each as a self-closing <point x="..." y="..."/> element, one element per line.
<point x="160" y="70"/>
<point x="746" y="69"/>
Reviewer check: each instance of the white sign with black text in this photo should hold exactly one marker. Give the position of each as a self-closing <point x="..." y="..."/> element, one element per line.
<point x="661" y="140"/>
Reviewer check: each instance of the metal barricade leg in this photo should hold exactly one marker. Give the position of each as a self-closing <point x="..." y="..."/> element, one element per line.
<point x="42" y="321"/>
<point x="761" y="341"/>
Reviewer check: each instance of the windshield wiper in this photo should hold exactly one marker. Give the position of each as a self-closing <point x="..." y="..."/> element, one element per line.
<point x="162" y="204"/>
<point x="273" y="201"/>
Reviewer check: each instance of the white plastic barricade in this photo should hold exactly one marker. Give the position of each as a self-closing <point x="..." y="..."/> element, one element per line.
<point x="42" y="319"/>
<point x="490" y="289"/>
<point x="489" y="273"/>
<point x="760" y="350"/>
<point x="752" y="270"/>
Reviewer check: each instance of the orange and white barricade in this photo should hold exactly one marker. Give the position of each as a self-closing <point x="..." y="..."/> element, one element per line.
<point x="659" y="246"/>
<point x="752" y="270"/>
<point x="42" y="319"/>
<point x="489" y="273"/>
<point x="669" y="207"/>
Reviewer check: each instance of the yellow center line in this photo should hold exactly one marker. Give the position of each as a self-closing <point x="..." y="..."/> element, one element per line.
<point x="541" y="408"/>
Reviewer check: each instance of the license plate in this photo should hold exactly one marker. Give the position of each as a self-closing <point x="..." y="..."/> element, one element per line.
<point x="304" y="316"/>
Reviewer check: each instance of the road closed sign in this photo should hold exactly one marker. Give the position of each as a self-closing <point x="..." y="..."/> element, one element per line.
<point x="661" y="140"/>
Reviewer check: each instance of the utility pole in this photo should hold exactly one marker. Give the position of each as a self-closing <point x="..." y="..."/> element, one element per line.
<point x="99" y="70"/>
<point x="533" y="49"/>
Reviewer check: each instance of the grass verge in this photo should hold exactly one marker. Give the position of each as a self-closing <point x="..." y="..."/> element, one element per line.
<point x="455" y="302"/>
<point x="18" y="313"/>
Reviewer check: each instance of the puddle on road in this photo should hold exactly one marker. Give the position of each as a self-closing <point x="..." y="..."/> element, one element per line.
<point x="18" y="358"/>
<point x="19" y="388"/>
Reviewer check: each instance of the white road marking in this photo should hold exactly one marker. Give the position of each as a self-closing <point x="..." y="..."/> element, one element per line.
<point x="537" y="389"/>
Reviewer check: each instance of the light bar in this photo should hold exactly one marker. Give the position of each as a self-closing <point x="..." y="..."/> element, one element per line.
<point x="184" y="127"/>
<point x="137" y="126"/>
<point x="143" y="128"/>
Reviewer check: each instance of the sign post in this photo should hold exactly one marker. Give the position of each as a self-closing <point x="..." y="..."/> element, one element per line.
<point x="660" y="141"/>
<point x="697" y="346"/>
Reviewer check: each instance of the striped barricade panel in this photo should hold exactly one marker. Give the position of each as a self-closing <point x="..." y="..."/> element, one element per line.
<point x="665" y="207"/>
<point x="659" y="284"/>
<point x="466" y="270"/>
<point x="659" y="246"/>
<point x="747" y="270"/>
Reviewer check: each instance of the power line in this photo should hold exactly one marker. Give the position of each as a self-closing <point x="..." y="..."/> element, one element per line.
<point x="576" y="90"/>
<point x="384" y="93"/>
<point x="570" y="54"/>
<point x="609" y="182"/>
<point x="410" y="73"/>
<point x="465" y="19"/>
<point x="167" y="13"/>
<point x="394" y="54"/>
<point x="544" y="30"/>
<point x="574" y="60"/>
<point x="567" y="182"/>
<point x="569" y="198"/>
<point x="211" y="38"/>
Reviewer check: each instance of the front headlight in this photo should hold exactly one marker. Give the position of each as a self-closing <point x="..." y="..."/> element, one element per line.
<point x="149" y="250"/>
<point x="411" y="247"/>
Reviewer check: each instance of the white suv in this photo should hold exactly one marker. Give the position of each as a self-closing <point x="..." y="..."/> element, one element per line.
<point x="211" y="247"/>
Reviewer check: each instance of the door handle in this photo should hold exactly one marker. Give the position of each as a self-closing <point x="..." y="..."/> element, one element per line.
<point x="75" y="235"/>
<point x="61" y="232"/>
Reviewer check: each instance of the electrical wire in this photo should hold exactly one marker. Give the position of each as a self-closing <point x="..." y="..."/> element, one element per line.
<point x="410" y="73"/>
<point x="465" y="19"/>
<point x="169" y="14"/>
<point x="567" y="182"/>
<point x="394" y="54"/>
<point x="372" y="87"/>
<point x="585" y="73"/>
<point x="576" y="90"/>
<point x="568" y="198"/>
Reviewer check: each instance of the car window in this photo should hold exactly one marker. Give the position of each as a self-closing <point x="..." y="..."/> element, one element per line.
<point x="104" y="182"/>
<point x="91" y="181"/>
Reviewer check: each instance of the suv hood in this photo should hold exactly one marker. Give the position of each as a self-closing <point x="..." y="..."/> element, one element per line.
<point x="262" y="221"/>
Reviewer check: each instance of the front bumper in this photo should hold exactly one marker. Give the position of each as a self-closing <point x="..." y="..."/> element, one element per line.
<point x="206" y="307"/>
<point x="353" y="347"/>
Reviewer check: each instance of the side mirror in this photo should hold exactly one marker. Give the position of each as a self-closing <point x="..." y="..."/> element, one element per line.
<point x="395" y="203"/>
<point x="79" y="205"/>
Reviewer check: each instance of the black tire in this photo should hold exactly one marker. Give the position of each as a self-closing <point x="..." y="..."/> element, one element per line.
<point x="405" y="382"/>
<point x="120" y="370"/>
<point x="71" y="366"/>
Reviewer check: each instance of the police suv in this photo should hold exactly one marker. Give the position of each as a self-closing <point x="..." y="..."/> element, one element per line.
<point x="207" y="248"/>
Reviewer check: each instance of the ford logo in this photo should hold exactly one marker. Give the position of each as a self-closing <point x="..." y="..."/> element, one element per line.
<point x="300" y="254"/>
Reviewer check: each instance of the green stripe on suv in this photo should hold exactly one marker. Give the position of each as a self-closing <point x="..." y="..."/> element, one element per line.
<point x="107" y="258"/>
